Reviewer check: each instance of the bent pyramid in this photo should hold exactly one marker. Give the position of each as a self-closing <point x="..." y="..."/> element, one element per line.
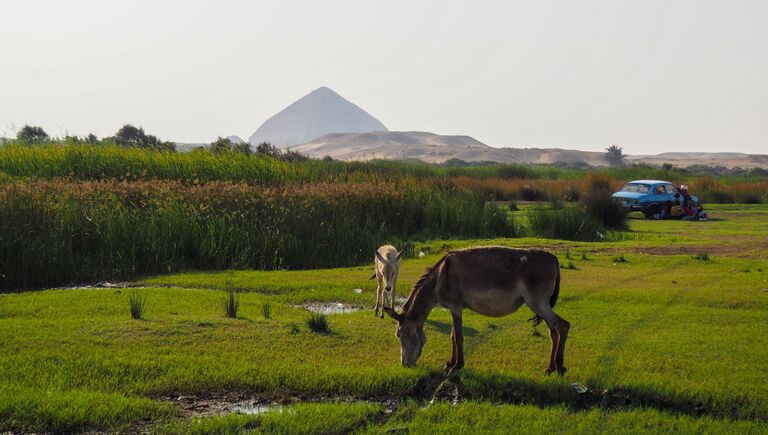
<point x="318" y="113"/>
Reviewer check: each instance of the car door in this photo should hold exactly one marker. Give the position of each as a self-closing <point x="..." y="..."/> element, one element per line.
<point x="659" y="193"/>
<point x="671" y="190"/>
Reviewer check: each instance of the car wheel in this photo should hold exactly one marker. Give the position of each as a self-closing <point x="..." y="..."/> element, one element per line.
<point x="653" y="212"/>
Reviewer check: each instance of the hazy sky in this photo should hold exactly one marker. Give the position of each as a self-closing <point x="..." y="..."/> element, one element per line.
<point x="653" y="76"/>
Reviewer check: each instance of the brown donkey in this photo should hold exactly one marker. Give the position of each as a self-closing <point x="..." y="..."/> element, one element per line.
<point x="493" y="281"/>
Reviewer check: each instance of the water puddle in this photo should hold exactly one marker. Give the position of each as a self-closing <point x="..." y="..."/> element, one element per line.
<point x="329" y="307"/>
<point x="255" y="409"/>
<point x="106" y="285"/>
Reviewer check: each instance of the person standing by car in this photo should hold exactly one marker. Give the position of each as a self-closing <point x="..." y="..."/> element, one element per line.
<point x="685" y="201"/>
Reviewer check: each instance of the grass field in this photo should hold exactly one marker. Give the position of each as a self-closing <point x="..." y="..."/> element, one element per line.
<point x="671" y="339"/>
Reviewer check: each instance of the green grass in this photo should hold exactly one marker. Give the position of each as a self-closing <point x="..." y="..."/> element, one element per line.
<point x="469" y="417"/>
<point x="679" y="336"/>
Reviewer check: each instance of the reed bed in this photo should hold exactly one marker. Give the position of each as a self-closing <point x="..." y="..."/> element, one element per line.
<point x="109" y="161"/>
<point x="61" y="232"/>
<point x="105" y="161"/>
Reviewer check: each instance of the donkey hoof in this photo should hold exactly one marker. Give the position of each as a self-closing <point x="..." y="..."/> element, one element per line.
<point x="561" y="370"/>
<point x="549" y="371"/>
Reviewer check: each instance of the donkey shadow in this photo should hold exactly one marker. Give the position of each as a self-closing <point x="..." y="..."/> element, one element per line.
<point x="445" y="328"/>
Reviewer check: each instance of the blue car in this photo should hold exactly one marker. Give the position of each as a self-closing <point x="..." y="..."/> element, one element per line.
<point x="648" y="197"/>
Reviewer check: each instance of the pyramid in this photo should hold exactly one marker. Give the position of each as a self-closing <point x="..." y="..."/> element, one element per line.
<point x="318" y="113"/>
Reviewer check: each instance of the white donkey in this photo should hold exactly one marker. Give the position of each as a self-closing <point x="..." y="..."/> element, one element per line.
<point x="387" y="266"/>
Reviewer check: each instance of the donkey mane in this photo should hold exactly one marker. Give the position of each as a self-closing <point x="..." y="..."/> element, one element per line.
<point x="425" y="282"/>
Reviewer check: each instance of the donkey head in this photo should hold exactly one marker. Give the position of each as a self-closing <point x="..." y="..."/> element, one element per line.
<point x="411" y="335"/>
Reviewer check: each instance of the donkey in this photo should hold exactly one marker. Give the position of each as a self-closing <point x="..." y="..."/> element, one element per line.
<point x="493" y="281"/>
<point x="387" y="266"/>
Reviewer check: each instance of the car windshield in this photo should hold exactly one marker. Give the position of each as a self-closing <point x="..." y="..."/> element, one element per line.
<point x="636" y="187"/>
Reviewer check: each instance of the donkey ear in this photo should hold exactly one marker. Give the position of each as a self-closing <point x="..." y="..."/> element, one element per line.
<point x="381" y="257"/>
<point x="392" y="313"/>
<point x="399" y="254"/>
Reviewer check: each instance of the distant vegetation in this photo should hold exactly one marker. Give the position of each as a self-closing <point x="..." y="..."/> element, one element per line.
<point x="615" y="155"/>
<point x="84" y="209"/>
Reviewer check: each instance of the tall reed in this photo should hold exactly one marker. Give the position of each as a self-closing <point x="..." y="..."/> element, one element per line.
<point x="59" y="232"/>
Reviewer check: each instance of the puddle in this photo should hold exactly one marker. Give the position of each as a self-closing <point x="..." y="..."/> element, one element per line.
<point x="329" y="307"/>
<point x="106" y="285"/>
<point x="255" y="409"/>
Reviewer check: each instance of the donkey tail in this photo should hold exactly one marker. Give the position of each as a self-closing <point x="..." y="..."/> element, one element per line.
<point x="536" y="320"/>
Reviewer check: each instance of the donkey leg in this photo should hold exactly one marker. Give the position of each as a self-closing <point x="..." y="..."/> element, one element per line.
<point x="544" y="311"/>
<point x="563" y="327"/>
<point x="394" y="285"/>
<point x="452" y="362"/>
<point x="457" y="333"/>
<point x="378" y="296"/>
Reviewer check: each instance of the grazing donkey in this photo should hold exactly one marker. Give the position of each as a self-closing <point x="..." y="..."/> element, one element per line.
<point x="493" y="281"/>
<point x="387" y="265"/>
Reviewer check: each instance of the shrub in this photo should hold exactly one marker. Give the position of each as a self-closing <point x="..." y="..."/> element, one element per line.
<point x="31" y="134"/>
<point x="137" y="302"/>
<point x="569" y="223"/>
<point x="716" y="196"/>
<point x="572" y="194"/>
<point x="605" y="210"/>
<point x="620" y="259"/>
<point x="703" y="256"/>
<point x="231" y="302"/>
<point x="601" y="182"/>
<point x="318" y="322"/>
<point x="530" y="193"/>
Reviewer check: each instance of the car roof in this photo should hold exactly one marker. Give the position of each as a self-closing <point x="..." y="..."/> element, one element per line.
<point x="651" y="182"/>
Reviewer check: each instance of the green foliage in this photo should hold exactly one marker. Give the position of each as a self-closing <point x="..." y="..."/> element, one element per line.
<point x="231" y="303"/>
<point x="615" y="155"/>
<point x="567" y="223"/>
<point x="223" y="145"/>
<point x="81" y="231"/>
<point x="620" y="259"/>
<point x="137" y="301"/>
<point x="601" y="207"/>
<point x="531" y="193"/>
<point x="703" y="256"/>
<point x="31" y="134"/>
<point x="318" y="322"/>
<point x="266" y="310"/>
<point x="569" y="266"/>
<point x="131" y="136"/>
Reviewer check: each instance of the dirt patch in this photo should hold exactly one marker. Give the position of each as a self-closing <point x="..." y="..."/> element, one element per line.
<point x="687" y="250"/>
<point x="206" y="406"/>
